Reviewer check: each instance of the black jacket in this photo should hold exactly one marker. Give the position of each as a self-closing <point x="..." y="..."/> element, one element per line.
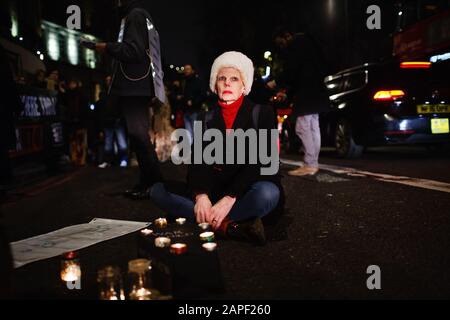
<point x="131" y="57"/>
<point x="304" y="71"/>
<point x="192" y="90"/>
<point x="231" y="179"/>
<point x="10" y="104"/>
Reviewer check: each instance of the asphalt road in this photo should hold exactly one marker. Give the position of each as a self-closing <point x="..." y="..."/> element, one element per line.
<point x="335" y="227"/>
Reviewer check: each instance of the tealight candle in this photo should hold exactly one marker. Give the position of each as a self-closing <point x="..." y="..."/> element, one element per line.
<point x="178" y="248"/>
<point x="181" y="221"/>
<point x="204" y="226"/>
<point x="70" y="267"/>
<point x="210" y="246"/>
<point x="147" y="232"/>
<point x="162" y="242"/>
<point x="207" y="236"/>
<point x="161" y="222"/>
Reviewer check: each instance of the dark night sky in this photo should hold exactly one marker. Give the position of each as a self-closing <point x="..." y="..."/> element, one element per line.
<point x="197" y="31"/>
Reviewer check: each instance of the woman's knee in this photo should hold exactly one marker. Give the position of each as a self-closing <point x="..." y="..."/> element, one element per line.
<point x="157" y="192"/>
<point x="268" y="193"/>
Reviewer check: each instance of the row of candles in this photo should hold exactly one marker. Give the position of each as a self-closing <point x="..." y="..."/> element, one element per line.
<point x="110" y="276"/>
<point x="110" y="279"/>
<point x="180" y="248"/>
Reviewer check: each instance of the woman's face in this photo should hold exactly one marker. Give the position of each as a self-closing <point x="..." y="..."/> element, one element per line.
<point x="229" y="85"/>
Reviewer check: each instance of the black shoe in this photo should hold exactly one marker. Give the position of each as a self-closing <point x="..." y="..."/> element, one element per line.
<point x="249" y="230"/>
<point x="134" y="191"/>
<point x="140" y="195"/>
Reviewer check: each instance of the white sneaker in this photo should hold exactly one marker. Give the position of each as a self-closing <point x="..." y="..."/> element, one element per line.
<point x="123" y="164"/>
<point x="104" y="165"/>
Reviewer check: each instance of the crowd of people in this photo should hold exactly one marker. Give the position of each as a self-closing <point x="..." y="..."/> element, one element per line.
<point x="128" y="122"/>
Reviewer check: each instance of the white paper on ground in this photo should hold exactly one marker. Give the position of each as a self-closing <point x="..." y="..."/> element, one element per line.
<point x="72" y="238"/>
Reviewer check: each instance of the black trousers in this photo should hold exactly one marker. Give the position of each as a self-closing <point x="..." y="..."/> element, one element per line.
<point x="136" y="113"/>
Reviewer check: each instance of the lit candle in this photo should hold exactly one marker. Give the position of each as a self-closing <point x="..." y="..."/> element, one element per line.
<point x="204" y="226"/>
<point x="162" y="242"/>
<point x="207" y="236"/>
<point x="161" y="222"/>
<point x="210" y="246"/>
<point x="70" y="267"/>
<point x="178" y="248"/>
<point x="147" y="232"/>
<point x="181" y="221"/>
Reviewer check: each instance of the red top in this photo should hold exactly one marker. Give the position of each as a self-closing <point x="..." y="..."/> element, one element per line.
<point x="230" y="111"/>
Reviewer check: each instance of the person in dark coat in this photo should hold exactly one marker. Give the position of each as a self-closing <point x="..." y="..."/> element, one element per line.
<point x="9" y="107"/>
<point x="304" y="71"/>
<point x="133" y="85"/>
<point x="111" y="125"/>
<point x="231" y="197"/>
<point x="191" y="97"/>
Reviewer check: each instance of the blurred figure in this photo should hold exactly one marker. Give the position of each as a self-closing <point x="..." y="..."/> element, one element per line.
<point x="9" y="107"/>
<point x="113" y="128"/>
<point x="76" y="123"/>
<point x="53" y="80"/>
<point x="191" y="98"/>
<point x="304" y="71"/>
<point x="261" y="92"/>
<point x="175" y="103"/>
<point x="162" y="130"/>
<point x="39" y="80"/>
<point x="133" y="85"/>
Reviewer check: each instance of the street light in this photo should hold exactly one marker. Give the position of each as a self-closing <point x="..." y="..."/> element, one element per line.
<point x="267" y="55"/>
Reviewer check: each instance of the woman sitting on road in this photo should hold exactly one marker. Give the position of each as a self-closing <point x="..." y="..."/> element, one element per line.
<point x="232" y="198"/>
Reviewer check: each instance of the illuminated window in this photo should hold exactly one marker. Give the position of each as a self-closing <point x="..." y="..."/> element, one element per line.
<point x="14" y="24"/>
<point x="53" y="46"/>
<point x="72" y="50"/>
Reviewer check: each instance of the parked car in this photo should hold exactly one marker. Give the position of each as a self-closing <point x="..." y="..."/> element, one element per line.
<point x="387" y="104"/>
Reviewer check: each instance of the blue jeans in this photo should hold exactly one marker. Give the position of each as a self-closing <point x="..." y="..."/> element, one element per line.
<point x="119" y="132"/>
<point x="189" y="119"/>
<point x="260" y="200"/>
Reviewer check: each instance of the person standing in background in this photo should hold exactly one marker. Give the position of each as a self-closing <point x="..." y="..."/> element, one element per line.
<point x="304" y="71"/>
<point x="132" y="83"/>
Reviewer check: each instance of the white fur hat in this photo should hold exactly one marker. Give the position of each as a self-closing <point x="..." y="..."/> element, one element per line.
<point x="237" y="60"/>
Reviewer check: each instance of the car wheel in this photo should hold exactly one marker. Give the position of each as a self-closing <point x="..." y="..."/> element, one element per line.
<point x="344" y="142"/>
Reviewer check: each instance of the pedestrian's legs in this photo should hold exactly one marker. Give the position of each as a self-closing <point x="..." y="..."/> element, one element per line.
<point x="259" y="201"/>
<point x="109" y="135"/>
<point x="121" y="142"/>
<point x="305" y="133"/>
<point x="135" y="110"/>
<point x="174" y="205"/>
<point x="315" y="128"/>
<point x="189" y="119"/>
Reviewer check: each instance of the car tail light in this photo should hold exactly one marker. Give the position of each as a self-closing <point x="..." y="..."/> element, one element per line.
<point x="388" y="95"/>
<point x="415" y="65"/>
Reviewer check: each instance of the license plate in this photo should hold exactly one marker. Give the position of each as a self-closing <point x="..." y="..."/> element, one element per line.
<point x="433" y="108"/>
<point x="439" y="126"/>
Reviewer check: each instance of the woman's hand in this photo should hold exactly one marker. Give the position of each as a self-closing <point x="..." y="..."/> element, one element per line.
<point x="202" y="208"/>
<point x="221" y="210"/>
